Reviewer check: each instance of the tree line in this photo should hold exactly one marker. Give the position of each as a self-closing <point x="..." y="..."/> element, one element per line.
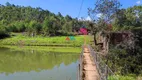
<point x="128" y="19"/>
<point x="35" y="21"/>
<point x="121" y="20"/>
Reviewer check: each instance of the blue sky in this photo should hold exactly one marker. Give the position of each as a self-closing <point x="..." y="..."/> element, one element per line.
<point x="70" y="7"/>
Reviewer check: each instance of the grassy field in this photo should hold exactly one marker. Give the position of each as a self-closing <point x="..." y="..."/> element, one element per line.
<point x="21" y="40"/>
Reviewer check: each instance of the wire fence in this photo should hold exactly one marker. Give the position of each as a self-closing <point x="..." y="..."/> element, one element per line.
<point x="80" y="66"/>
<point x="104" y="71"/>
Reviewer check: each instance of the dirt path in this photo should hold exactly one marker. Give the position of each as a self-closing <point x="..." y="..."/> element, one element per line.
<point x="89" y="68"/>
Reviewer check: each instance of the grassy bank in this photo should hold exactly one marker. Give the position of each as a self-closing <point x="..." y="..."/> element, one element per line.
<point x="21" y="40"/>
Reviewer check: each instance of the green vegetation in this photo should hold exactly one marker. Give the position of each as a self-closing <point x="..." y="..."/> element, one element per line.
<point x="36" y="21"/>
<point x="115" y="19"/>
<point x="21" y="40"/>
<point x="37" y="27"/>
<point x="128" y="19"/>
<point x="122" y="78"/>
<point x="33" y="28"/>
<point x="126" y="57"/>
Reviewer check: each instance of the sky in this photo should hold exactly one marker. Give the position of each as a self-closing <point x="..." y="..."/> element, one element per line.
<point x="67" y="7"/>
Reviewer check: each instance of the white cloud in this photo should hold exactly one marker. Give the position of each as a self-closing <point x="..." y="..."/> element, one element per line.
<point x="138" y="2"/>
<point x="99" y="15"/>
<point x="80" y="19"/>
<point x="85" y="19"/>
<point x="88" y="18"/>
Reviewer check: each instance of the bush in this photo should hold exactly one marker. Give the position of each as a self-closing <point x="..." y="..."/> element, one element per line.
<point x="3" y="32"/>
<point x="121" y="78"/>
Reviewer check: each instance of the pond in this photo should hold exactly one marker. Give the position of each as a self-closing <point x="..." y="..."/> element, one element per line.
<point x="28" y="64"/>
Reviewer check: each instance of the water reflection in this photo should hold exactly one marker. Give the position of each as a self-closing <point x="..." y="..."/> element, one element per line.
<point x="37" y="65"/>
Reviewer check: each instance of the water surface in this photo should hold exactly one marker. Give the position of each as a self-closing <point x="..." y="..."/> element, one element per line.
<point x="37" y="65"/>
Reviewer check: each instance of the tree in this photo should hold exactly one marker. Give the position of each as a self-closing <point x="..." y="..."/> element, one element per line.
<point x="33" y="28"/>
<point x="105" y="9"/>
<point x="60" y="15"/>
<point x="35" y="21"/>
<point x="133" y="15"/>
<point x="68" y="18"/>
<point x="3" y="31"/>
<point x="128" y="19"/>
<point x="19" y="26"/>
<point x="120" y="21"/>
<point x="8" y="4"/>
<point x="45" y="28"/>
<point x="67" y="27"/>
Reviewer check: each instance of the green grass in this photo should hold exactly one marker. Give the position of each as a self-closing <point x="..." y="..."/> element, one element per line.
<point x="43" y="41"/>
<point x="118" y="77"/>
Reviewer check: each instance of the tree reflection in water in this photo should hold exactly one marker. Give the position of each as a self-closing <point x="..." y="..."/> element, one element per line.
<point x="30" y="60"/>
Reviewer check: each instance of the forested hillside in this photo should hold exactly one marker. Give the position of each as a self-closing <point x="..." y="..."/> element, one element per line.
<point x="35" y="21"/>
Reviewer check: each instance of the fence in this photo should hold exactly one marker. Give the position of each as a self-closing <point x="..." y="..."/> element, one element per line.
<point x="104" y="71"/>
<point x="80" y="66"/>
